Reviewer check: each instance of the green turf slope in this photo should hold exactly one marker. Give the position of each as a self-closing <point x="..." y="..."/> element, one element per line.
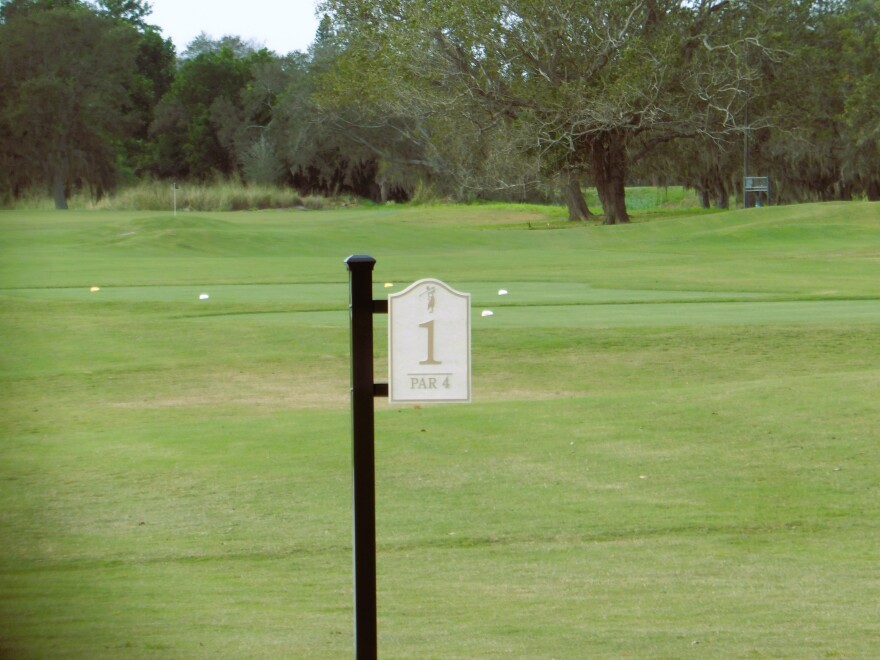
<point x="673" y="449"/>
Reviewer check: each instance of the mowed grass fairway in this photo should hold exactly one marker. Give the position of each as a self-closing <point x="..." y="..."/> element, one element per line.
<point x="673" y="449"/>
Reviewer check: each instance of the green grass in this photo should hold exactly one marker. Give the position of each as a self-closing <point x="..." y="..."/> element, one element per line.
<point x="672" y="451"/>
<point x="651" y="199"/>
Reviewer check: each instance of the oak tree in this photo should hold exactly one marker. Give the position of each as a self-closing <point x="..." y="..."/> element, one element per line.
<point x="66" y="73"/>
<point x="595" y="82"/>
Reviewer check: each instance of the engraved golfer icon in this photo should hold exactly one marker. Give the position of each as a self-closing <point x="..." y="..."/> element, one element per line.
<point x="429" y="292"/>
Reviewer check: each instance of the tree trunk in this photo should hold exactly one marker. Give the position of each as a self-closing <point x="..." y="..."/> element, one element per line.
<point x="574" y="197"/>
<point x="722" y="198"/>
<point x="608" y="163"/>
<point x="873" y="190"/>
<point x="379" y="191"/>
<point x="58" y="191"/>
<point x="704" y="197"/>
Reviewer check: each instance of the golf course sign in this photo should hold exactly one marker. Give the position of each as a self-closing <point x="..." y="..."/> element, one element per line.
<point x="429" y="340"/>
<point x="429" y="344"/>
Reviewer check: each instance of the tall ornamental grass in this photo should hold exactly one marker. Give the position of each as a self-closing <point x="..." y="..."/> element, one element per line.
<point x="151" y="195"/>
<point x="213" y="196"/>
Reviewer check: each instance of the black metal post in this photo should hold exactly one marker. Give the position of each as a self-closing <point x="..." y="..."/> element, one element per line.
<point x="362" y="392"/>
<point x="746" y="156"/>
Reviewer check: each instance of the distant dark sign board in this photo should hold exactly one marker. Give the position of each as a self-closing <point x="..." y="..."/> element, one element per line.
<point x="757" y="184"/>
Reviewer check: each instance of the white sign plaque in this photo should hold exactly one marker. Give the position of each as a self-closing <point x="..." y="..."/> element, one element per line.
<point x="429" y="344"/>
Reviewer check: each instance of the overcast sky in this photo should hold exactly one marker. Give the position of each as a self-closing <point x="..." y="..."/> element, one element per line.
<point x="279" y="25"/>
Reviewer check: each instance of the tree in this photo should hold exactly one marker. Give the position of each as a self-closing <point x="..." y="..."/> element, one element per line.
<point x="11" y="9"/>
<point x="133" y="12"/>
<point x="156" y="66"/>
<point x="65" y="74"/>
<point x="594" y="82"/>
<point x="205" y="44"/>
<point x="816" y="103"/>
<point x="197" y="119"/>
<point x="331" y="147"/>
<point x="246" y="131"/>
<point x="861" y="119"/>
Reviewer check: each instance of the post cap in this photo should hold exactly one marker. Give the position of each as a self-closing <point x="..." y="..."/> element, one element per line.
<point x="360" y="261"/>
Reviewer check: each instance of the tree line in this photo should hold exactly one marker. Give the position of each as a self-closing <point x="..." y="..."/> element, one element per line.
<point x="469" y="99"/>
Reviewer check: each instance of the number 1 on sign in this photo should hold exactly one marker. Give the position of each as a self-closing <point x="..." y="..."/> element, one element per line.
<point x="429" y="326"/>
